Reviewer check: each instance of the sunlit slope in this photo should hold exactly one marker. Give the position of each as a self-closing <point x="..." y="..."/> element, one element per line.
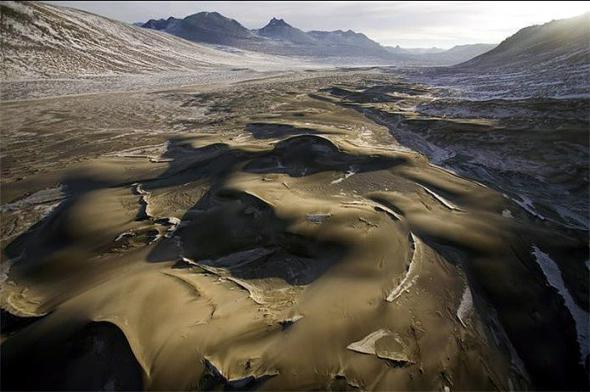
<point x="563" y="42"/>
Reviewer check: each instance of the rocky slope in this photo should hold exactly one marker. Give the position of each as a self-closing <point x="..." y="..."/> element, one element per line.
<point x="559" y="43"/>
<point x="551" y="60"/>
<point x="40" y="40"/>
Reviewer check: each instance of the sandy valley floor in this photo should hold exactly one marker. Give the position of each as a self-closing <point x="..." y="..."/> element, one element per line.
<point x="318" y="230"/>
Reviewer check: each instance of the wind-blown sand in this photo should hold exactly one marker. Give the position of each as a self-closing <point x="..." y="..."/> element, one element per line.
<point x="269" y="234"/>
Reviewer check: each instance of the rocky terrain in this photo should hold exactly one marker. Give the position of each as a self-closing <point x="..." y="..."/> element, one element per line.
<point x="550" y="60"/>
<point x="40" y="41"/>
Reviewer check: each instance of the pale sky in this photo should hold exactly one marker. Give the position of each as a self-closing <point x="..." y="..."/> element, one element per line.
<point x="408" y="24"/>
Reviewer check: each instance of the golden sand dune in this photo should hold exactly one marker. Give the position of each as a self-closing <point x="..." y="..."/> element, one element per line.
<point x="282" y="240"/>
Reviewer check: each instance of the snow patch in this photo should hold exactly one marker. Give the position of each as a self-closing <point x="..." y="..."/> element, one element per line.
<point x="580" y="316"/>
<point x="441" y="199"/>
<point x="465" y="307"/>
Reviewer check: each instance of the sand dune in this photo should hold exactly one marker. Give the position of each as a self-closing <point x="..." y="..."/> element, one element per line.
<point x="284" y="240"/>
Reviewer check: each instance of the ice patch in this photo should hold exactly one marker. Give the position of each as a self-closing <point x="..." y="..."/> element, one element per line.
<point x="412" y="274"/>
<point x="174" y="224"/>
<point x="465" y="306"/>
<point x="507" y="213"/>
<point x="441" y="199"/>
<point x="581" y="317"/>
<point x="385" y="345"/>
<point x="367" y="344"/>
<point x="124" y="235"/>
<point x="527" y="204"/>
<point x="41" y="197"/>
<point x="349" y="173"/>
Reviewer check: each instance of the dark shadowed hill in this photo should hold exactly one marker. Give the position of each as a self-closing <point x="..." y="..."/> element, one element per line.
<point x="208" y="27"/>
<point x="280" y="30"/>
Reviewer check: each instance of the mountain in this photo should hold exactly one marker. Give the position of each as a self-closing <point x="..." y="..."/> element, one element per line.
<point x="436" y="56"/>
<point x="159" y="24"/>
<point x="280" y="30"/>
<point x="542" y="61"/>
<point x="277" y="37"/>
<point x="563" y="42"/>
<point x="398" y="49"/>
<point x="207" y="27"/>
<point x="351" y="43"/>
<point x="458" y="54"/>
<point x="42" y="40"/>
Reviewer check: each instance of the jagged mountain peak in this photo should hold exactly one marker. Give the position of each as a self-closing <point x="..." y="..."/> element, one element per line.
<point x="277" y="37"/>
<point x="277" y="22"/>
<point x="281" y="30"/>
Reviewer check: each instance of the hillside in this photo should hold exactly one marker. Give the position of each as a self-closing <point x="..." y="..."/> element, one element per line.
<point x="549" y="61"/>
<point x="561" y="42"/>
<point x="40" y="40"/>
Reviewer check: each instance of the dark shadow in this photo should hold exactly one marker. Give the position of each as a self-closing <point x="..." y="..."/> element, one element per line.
<point x="10" y="324"/>
<point x="213" y="380"/>
<point x="374" y="94"/>
<point x="94" y="357"/>
<point x="240" y="231"/>
<point x="38" y="248"/>
<point x="533" y="314"/>
<point x="303" y="155"/>
<point x="276" y="130"/>
<point x="50" y="235"/>
<point x="360" y="97"/>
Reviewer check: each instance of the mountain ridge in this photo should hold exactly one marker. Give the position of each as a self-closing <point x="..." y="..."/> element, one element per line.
<point x="538" y="45"/>
<point x="276" y="37"/>
<point x="281" y="38"/>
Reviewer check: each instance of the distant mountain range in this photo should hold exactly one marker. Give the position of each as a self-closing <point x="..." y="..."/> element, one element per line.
<point x="46" y="41"/>
<point x="436" y="56"/>
<point x="279" y="37"/>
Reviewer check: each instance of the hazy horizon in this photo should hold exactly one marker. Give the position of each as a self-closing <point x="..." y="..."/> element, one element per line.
<point x="407" y="24"/>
